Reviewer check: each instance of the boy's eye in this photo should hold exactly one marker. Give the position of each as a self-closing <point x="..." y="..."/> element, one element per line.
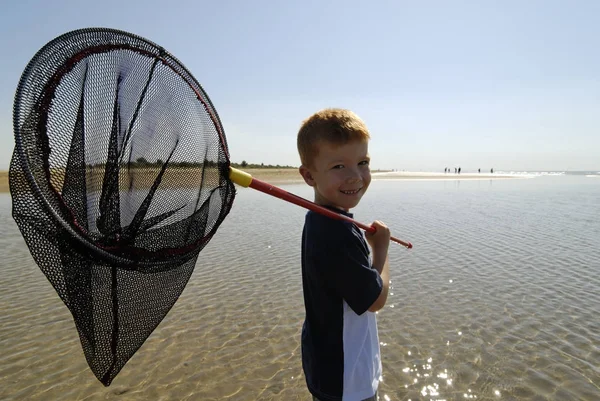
<point x="364" y="163"/>
<point x="337" y="166"/>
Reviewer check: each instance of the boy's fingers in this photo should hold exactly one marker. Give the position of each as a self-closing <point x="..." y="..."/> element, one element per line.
<point x="379" y="225"/>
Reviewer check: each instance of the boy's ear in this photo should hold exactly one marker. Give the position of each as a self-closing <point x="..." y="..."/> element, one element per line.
<point x="305" y="173"/>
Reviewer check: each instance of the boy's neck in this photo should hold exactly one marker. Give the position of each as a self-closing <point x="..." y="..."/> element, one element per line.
<point x="333" y="207"/>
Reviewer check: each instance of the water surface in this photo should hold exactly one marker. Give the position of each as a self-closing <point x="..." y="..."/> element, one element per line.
<point x="497" y="301"/>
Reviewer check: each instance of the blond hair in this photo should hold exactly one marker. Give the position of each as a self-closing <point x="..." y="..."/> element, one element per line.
<point x="335" y="126"/>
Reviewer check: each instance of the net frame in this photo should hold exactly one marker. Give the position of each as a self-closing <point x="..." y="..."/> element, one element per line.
<point x="33" y="102"/>
<point x="23" y="96"/>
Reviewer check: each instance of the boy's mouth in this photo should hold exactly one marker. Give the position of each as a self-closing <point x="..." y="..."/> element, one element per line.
<point x="351" y="192"/>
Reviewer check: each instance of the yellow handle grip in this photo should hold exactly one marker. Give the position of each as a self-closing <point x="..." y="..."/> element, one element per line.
<point x="240" y="177"/>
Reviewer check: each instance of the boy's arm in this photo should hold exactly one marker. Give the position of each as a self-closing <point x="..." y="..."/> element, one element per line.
<point x="379" y="242"/>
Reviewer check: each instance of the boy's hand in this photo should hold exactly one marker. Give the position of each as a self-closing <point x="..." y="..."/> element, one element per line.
<point x="380" y="239"/>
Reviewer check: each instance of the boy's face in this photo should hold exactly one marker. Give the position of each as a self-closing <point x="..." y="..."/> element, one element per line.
<point x="340" y="174"/>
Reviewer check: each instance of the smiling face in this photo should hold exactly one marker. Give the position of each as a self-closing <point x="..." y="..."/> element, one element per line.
<point x="340" y="174"/>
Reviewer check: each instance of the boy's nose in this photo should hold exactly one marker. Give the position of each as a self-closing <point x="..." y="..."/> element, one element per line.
<point x="353" y="176"/>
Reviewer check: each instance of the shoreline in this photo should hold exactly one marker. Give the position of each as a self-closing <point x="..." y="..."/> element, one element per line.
<point x="423" y="175"/>
<point x="283" y="176"/>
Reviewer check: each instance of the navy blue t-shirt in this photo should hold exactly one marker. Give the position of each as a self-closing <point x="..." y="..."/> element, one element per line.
<point x="340" y="348"/>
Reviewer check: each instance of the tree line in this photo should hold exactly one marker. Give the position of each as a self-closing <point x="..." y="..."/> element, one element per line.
<point x="143" y="163"/>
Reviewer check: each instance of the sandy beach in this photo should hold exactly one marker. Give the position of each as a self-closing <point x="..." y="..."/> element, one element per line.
<point x="3" y="181"/>
<point x="292" y="176"/>
<point x="425" y="175"/>
<point x="177" y="177"/>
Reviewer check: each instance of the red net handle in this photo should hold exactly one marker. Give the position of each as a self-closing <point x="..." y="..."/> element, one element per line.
<point x="246" y="180"/>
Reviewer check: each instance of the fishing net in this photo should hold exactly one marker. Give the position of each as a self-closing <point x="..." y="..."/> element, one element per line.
<point x="119" y="178"/>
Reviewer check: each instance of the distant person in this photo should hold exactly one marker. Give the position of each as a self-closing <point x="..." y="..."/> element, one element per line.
<point x="492" y="171"/>
<point x="479" y="170"/>
<point x="454" y="170"/>
<point x="344" y="283"/>
<point x="446" y="169"/>
<point x="459" y="170"/>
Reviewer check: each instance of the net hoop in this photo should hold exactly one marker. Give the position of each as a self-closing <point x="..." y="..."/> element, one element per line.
<point x="46" y="95"/>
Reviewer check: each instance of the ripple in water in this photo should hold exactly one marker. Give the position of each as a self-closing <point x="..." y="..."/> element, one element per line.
<point x="497" y="301"/>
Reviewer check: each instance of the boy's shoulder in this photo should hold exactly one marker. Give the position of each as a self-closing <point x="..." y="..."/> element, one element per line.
<point x="325" y="224"/>
<point x="327" y="230"/>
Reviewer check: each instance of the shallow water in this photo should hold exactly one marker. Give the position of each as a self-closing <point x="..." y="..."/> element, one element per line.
<point x="497" y="301"/>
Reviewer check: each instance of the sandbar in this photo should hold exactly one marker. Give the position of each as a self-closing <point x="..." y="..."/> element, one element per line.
<point x="277" y="176"/>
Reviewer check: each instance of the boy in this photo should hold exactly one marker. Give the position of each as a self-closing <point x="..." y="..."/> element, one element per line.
<point x="342" y="286"/>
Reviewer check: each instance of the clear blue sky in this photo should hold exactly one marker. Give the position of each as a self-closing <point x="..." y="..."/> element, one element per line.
<point x="513" y="85"/>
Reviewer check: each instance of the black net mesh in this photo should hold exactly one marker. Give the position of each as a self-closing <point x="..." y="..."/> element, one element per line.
<point x="119" y="178"/>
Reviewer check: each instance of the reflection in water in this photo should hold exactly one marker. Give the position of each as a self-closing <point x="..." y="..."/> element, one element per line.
<point x="422" y="378"/>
